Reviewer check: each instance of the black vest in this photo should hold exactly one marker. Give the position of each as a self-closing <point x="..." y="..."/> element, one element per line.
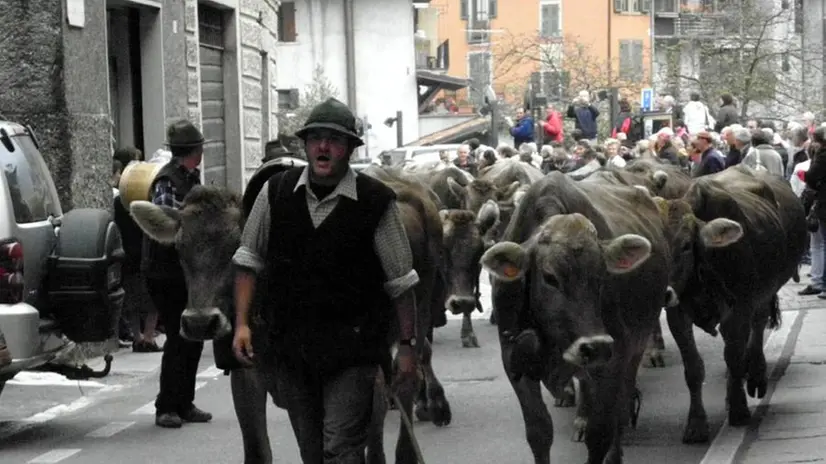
<point x="161" y="261"/>
<point x="326" y="292"/>
<point x="131" y="237"/>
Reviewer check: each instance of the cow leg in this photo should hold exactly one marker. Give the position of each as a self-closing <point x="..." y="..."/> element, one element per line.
<point x="757" y="382"/>
<point x="583" y="409"/>
<point x="736" y="330"/>
<point x="436" y="407"/>
<point x="249" y="397"/>
<point x="468" y="335"/>
<point x="564" y="397"/>
<point x="539" y="428"/>
<point x="656" y="347"/>
<point x="606" y="403"/>
<point x="375" y="435"/>
<point x="694" y="370"/>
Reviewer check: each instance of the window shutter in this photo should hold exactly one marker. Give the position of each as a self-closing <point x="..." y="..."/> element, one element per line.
<point x="556" y="22"/>
<point x="493" y="8"/>
<point x="545" y="25"/>
<point x="618" y="6"/>
<point x="645" y="6"/>
<point x="638" y="59"/>
<point x="464" y="8"/>
<point x="624" y="59"/>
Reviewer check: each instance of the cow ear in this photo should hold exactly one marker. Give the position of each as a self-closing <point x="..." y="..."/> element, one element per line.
<point x="488" y="216"/>
<point x="506" y="261"/>
<point x="721" y="232"/>
<point x="160" y="223"/>
<point x="626" y="253"/>
<point x="456" y="189"/>
<point x="509" y="191"/>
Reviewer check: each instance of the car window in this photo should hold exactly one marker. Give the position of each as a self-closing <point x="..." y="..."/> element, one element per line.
<point x="392" y="157"/>
<point x="432" y="155"/>
<point x="30" y="184"/>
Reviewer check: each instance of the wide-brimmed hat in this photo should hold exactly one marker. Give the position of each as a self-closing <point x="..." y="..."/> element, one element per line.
<point x="332" y="115"/>
<point x="184" y="134"/>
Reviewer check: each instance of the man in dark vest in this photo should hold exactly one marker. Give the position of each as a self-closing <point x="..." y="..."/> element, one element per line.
<point x="339" y="271"/>
<point x="167" y="287"/>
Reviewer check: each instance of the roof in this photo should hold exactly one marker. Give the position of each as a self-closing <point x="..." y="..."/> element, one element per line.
<point x="454" y="134"/>
<point x="445" y="82"/>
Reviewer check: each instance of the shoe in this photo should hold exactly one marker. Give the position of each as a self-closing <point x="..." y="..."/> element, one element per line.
<point x="809" y="290"/>
<point x="168" y="420"/>
<point x="196" y="415"/>
<point x="146" y="347"/>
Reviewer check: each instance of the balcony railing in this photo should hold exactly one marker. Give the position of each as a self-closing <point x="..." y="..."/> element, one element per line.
<point x="426" y="60"/>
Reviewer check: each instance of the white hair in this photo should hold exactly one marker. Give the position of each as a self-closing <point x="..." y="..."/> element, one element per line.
<point x="546" y="151"/>
<point x="528" y="147"/>
<point x="742" y="135"/>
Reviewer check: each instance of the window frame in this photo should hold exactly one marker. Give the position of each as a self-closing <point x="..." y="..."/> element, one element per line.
<point x="558" y="4"/>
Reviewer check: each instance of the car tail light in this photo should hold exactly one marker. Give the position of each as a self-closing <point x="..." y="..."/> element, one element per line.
<point x="11" y="272"/>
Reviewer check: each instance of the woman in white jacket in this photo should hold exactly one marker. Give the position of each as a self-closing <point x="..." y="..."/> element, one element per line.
<point x="696" y="116"/>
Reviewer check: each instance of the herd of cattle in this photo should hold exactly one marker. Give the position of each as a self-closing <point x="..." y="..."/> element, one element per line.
<point x="580" y="271"/>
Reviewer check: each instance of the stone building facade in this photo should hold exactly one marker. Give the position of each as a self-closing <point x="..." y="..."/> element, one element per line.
<point x="93" y="75"/>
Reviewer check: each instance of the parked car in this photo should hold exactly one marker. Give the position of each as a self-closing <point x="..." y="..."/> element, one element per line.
<point x="422" y="154"/>
<point x="60" y="274"/>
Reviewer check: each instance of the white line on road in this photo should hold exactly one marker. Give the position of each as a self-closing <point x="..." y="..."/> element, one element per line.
<point x="54" y="456"/>
<point x="74" y="406"/>
<point x="728" y="440"/>
<point x="51" y="379"/>
<point x="210" y="373"/>
<point x="148" y="409"/>
<point x="109" y="429"/>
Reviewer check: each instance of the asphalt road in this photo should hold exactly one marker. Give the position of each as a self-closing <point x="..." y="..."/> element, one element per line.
<point x="112" y="420"/>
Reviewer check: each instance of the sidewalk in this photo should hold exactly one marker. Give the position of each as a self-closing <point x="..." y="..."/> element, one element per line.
<point x="793" y="423"/>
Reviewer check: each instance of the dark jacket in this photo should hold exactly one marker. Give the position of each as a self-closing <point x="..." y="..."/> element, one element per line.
<point x="522" y="132"/>
<point x="735" y="156"/>
<point x="668" y="153"/>
<point x="326" y="284"/>
<point x="815" y="179"/>
<point x="585" y="119"/>
<point x="726" y="116"/>
<point x="471" y="167"/>
<point x="131" y="237"/>
<point x="161" y="261"/>
<point x="711" y="161"/>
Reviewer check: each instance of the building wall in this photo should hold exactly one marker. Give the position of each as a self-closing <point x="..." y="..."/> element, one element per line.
<point x="384" y="61"/>
<point x="517" y="22"/>
<point x="813" y="37"/>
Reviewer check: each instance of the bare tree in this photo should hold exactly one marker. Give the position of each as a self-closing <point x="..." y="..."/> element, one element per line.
<point x="317" y="91"/>
<point x="749" y="50"/>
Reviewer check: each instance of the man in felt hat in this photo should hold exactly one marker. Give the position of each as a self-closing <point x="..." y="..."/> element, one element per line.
<point x="166" y="285"/>
<point x="339" y="271"/>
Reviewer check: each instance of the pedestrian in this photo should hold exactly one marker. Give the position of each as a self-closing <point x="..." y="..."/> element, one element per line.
<point x="307" y="231"/>
<point x="166" y="284"/>
<point x="585" y="115"/>
<point x="708" y="159"/>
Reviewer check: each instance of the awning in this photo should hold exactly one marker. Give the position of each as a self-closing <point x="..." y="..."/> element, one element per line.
<point x="436" y="83"/>
<point x="455" y="134"/>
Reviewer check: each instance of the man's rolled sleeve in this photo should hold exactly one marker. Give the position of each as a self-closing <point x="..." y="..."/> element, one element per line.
<point x="394" y="252"/>
<point x="255" y="238"/>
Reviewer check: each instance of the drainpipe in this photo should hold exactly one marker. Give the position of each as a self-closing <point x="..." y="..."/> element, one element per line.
<point x="350" y="54"/>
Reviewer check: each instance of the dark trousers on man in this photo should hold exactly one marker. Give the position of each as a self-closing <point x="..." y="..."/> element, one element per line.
<point x="330" y="417"/>
<point x="179" y="364"/>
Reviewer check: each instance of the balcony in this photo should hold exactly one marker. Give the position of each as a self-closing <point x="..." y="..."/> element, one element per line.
<point x="432" y="58"/>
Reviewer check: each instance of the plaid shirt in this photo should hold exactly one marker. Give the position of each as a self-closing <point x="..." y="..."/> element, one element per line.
<point x="165" y="193"/>
<point x="390" y="240"/>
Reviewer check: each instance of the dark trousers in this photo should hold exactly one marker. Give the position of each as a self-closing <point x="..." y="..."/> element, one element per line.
<point x="330" y="417"/>
<point x="179" y="364"/>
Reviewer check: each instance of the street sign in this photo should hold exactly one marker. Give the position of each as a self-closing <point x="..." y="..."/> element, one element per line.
<point x="647" y="99"/>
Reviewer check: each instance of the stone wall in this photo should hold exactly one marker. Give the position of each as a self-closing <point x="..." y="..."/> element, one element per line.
<point x="258" y="22"/>
<point x="45" y="81"/>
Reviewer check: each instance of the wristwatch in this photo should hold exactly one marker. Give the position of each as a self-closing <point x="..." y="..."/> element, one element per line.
<point x="409" y="342"/>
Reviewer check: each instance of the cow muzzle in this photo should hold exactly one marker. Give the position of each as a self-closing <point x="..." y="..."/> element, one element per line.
<point x="204" y="324"/>
<point x="460" y="304"/>
<point x="671" y="298"/>
<point x="589" y="351"/>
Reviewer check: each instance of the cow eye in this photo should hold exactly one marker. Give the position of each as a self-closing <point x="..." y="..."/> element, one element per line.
<point x="550" y="279"/>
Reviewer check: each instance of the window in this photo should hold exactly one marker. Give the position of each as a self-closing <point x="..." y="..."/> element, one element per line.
<point x="478" y="14"/>
<point x="211" y="26"/>
<point x="33" y="196"/>
<point x="286" y="22"/>
<point x="631" y="61"/>
<point x="798" y="16"/>
<point x="550" y="19"/>
<point x="632" y="6"/>
<point x="287" y="99"/>
<point x="480" y="74"/>
<point x="554" y="84"/>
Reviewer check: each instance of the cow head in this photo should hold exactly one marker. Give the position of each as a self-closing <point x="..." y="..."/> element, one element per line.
<point x="565" y="265"/>
<point x="206" y="232"/>
<point x="464" y="242"/>
<point x="691" y="239"/>
<point x="479" y="191"/>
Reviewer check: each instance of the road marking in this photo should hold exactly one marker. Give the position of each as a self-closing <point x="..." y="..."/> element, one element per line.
<point x="54" y="456"/>
<point x="51" y="379"/>
<point x="109" y="429"/>
<point x="729" y="439"/>
<point x="148" y="409"/>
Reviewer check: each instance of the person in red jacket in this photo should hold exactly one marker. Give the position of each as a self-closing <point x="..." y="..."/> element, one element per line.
<point x="552" y="126"/>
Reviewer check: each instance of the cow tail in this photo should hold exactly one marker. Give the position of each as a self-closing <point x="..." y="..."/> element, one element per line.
<point x="774" y="314"/>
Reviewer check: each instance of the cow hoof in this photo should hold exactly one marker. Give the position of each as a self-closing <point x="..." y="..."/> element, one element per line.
<point x="656" y="358"/>
<point x="470" y="341"/>
<point x="757" y="385"/>
<point x="738" y="417"/>
<point x="696" y="431"/>
<point x="421" y="411"/>
<point x="440" y="413"/>
<point x="580" y="425"/>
